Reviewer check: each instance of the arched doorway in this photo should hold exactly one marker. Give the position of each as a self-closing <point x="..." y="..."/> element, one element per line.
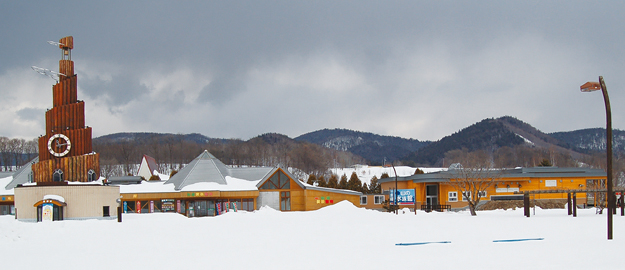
<point x="50" y="209"/>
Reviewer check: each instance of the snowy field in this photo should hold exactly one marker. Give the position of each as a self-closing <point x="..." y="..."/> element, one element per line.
<point x="336" y="237"/>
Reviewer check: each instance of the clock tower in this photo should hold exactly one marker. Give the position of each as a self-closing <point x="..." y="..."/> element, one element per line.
<point x="65" y="152"/>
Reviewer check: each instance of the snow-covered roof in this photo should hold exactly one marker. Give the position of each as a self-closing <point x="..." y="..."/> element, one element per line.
<point x="209" y="173"/>
<point x="20" y="176"/>
<point x="5" y="182"/>
<point x="54" y="197"/>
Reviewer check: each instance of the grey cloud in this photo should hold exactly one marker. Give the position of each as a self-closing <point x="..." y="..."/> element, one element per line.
<point x="220" y="90"/>
<point x="119" y="91"/>
<point x="441" y="55"/>
<point x="31" y="114"/>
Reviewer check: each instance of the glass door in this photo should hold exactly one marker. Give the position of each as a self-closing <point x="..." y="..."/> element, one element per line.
<point x="431" y="195"/>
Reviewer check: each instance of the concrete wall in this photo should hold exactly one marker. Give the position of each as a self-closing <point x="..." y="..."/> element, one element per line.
<point x="83" y="201"/>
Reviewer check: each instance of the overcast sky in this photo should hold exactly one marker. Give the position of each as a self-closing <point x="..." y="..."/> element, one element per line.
<point x="238" y="69"/>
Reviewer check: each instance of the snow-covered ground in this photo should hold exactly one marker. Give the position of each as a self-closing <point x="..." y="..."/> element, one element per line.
<point x="335" y="237"/>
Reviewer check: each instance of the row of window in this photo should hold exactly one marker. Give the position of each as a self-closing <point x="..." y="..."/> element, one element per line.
<point x="377" y="199"/>
<point x="452" y="196"/>
<point x="57" y="176"/>
<point x="197" y="208"/>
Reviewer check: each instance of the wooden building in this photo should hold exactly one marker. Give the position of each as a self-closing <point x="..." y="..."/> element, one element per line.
<point x="436" y="190"/>
<point x="207" y="187"/>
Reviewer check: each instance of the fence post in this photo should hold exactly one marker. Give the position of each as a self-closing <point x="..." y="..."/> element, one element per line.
<point x="574" y="204"/>
<point x="526" y="204"/>
<point x="568" y="202"/>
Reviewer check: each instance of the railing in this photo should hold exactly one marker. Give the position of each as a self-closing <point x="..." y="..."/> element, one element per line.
<point x="435" y="207"/>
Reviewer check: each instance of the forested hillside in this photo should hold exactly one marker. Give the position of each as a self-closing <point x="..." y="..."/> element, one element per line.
<point x="374" y="148"/>
<point x="173" y="150"/>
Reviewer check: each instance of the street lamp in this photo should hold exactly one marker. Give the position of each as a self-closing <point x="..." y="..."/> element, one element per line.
<point x="590" y="87"/>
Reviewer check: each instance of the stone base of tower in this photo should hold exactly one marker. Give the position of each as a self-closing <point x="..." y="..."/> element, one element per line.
<point x="83" y="168"/>
<point x="66" y="202"/>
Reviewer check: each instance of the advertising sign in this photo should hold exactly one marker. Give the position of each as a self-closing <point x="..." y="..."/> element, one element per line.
<point x="46" y="212"/>
<point x="404" y="196"/>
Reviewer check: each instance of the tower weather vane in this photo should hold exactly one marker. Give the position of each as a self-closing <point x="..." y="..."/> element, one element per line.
<point x="52" y="74"/>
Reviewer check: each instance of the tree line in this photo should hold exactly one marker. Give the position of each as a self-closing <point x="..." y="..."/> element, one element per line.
<point x="119" y="157"/>
<point x="15" y="152"/>
<point x="353" y="183"/>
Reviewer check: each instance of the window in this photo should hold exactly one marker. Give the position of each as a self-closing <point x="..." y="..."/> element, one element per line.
<point x="277" y="181"/>
<point x="285" y="201"/>
<point x="91" y="176"/>
<point x="551" y="183"/>
<point x="482" y="195"/>
<point x="452" y="196"/>
<point x="106" y="211"/>
<point x="57" y="176"/>
<point x="247" y="204"/>
<point x="466" y="194"/>
<point x="363" y="199"/>
<point x="378" y="199"/>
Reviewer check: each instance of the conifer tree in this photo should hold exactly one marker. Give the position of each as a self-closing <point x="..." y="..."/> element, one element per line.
<point x="333" y="182"/>
<point x="374" y="186"/>
<point x="311" y="179"/>
<point x="321" y="182"/>
<point x="343" y="182"/>
<point x="365" y="188"/>
<point x="384" y="175"/>
<point x="354" y="183"/>
<point x="419" y="171"/>
<point x="545" y="163"/>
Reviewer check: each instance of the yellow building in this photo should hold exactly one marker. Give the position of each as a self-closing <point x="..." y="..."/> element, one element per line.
<point x="434" y="190"/>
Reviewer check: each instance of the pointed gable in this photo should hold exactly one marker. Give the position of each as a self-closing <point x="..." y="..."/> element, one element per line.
<point x="151" y="162"/>
<point x="273" y="180"/>
<point x="204" y="168"/>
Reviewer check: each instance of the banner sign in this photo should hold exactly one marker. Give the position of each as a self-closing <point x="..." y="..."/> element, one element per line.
<point x="404" y="196"/>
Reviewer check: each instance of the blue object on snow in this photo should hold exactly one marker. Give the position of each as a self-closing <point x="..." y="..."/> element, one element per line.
<point x="519" y="240"/>
<point x="422" y="243"/>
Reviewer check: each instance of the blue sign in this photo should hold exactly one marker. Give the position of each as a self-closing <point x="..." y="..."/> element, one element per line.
<point x="404" y="196"/>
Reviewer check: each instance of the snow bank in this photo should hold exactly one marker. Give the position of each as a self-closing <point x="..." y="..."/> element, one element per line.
<point x="344" y="236"/>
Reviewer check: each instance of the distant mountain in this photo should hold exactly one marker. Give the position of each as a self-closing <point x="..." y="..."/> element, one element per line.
<point x="591" y="140"/>
<point x="374" y="148"/>
<point x="149" y="136"/>
<point x="488" y="134"/>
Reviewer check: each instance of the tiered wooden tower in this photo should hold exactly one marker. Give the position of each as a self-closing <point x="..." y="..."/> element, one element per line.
<point x="65" y="152"/>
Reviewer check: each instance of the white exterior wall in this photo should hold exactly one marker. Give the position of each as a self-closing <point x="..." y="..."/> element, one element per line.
<point x="83" y="201"/>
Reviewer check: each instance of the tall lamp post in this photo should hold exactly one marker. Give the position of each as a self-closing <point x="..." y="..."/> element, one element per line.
<point x="590" y="87"/>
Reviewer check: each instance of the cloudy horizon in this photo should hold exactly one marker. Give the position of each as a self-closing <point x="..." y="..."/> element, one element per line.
<point x="238" y="69"/>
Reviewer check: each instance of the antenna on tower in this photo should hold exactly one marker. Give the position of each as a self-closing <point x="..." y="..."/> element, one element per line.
<point x="52" y="74"/>
<point x="56" y="43"/>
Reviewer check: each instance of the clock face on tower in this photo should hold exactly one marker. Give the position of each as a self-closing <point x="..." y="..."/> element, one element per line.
<point x="59" y="145"/>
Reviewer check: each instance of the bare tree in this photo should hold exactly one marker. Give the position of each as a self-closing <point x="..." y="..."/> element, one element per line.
<point x="472" y="182"/>
<point x="4" y="152"/>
